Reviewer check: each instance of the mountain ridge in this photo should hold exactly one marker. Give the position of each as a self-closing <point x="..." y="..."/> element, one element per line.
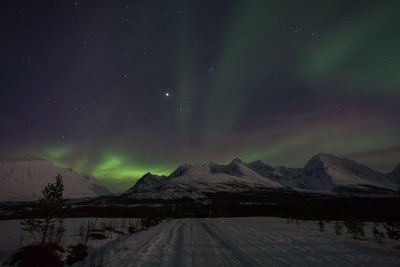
<point x="323" y="173"/>
<point x="22" y="178"/>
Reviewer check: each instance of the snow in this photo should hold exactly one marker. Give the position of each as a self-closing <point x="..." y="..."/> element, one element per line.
<point x="23" y="178"/>
<point x="250" y="241"/>
<point x="190" y="170"/>
<point x="210" y="176"/>
<point x="194" y="180"/>
<point x="261" y="168"/>
<point x="328" y="172"/>
<point x="148" y="181"/>
<point x="246" y="242"/>
<point x="324" y="173"/>
<point x="394" y="176"/>
<point x="11" y="233"/>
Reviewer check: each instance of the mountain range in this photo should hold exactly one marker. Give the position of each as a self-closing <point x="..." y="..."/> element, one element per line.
<point x="323" y="174"/>
<point x="23" y="178"/>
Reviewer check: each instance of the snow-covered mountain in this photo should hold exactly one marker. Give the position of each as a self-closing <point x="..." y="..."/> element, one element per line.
<point x="329" y="173"/>
<point x="147" y="182"/>
<point x="194" y="181"/>
<point x="23" y="178"/>
<point x="261" y="168"/>
<point x="324" y="173"/>
<point x="394" y="176"/>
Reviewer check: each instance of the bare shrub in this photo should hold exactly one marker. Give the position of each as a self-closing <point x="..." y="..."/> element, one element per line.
<point x="321" y="226"/>
<point x="339" y="228"/>
<point x="85" y="229"/>
<point x="355" y="228"/>
<point x="378" y="235"/>
<point x="392" y="230"/>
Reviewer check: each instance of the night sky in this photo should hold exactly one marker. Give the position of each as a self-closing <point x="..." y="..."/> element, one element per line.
<point x="119" y="88"/>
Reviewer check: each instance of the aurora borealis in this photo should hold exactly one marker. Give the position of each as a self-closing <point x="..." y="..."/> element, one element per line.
<point x="119" y="88"/>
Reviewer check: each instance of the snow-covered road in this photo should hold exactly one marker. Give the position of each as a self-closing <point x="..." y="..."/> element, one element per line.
<point x="246" y="242"/>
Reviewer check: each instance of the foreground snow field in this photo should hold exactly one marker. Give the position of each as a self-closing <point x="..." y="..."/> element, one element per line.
<point x="251" y="241"/>
<point x="11" y="233"/>
<point x="247" y="242"/>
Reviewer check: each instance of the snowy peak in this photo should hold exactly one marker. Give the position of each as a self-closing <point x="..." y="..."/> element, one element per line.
<point x="189" y="169"/>
<point x="323" y="173"/>
<point x="234" y="168"/>
<point x="315" y="163"/>
<point x="196" y="180"/>
<point x="328" y="172"/>
<point x="394" y="176"/>
<point x="181" y="170"/>
<point x="149" y="175"/>
<point x="24" y="177"/>
<point x="148" y="181"/>
<point x="236" y="161"/>
<point x="325" y="161"/>
<point x="396" y="170"/>
<point x="261" y="168"/>
<point x="257" y="163"/>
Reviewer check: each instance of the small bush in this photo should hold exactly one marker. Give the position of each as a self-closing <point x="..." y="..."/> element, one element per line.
<point x="97" y="235"/>
<point x="77" y="253"/>
<point x="109" y="228"/>
<point x="38" y="255"/>
<point x="378" y="235"/>
<point x="85" y="230"/>
<point x="339" y="228"/>
<point x="148" y="222"/>
<point x="392" y="230"/>
<point x="132" y="229"/>
<point x="355" y="228"/>
<point x="118" y="232"/>
<point x="321" y="226"/>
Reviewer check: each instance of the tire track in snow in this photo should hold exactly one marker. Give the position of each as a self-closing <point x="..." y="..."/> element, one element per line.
<point x="222" y="258"/>
<point x="242" y="256"/>
<point x="174" y="257"/>
<point x="143" y="245"/>
<point x="253" y="244"/>
<point x="283" y="246"/>
<point x="261" y="246"/>
<point x="159" y="251"/>
<point x="245" y="242"/>
<point x="200" y="251"/>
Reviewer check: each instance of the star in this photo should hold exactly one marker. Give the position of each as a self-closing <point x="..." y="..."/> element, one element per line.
<point x="167" y="94"/>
